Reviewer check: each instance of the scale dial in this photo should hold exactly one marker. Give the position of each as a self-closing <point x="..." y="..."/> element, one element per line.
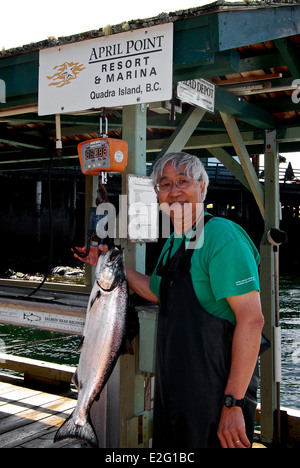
<point x="103" y="155"/>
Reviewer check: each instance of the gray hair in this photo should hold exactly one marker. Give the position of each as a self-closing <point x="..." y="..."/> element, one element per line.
<point x="194" y="168"/>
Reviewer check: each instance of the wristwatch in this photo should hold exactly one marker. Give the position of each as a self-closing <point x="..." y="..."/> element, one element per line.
<point x="230" y="401"/>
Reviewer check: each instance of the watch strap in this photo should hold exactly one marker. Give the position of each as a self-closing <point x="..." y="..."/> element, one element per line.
<point x="230" y="401"/>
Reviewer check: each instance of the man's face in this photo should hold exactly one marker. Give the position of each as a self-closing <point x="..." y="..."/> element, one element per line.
<point x="184" y="202"/>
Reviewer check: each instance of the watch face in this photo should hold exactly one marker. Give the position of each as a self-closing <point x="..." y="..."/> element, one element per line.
<point x="228" y="401"/>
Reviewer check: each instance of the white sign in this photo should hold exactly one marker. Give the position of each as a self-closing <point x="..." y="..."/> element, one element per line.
<point x="121" y="69"/>
<point x="43" y="320"/>
<point x="199" y="92"/>
<point x="142" y="209"/>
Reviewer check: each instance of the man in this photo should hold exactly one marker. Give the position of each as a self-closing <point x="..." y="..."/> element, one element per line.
<point x="210" y="321"/>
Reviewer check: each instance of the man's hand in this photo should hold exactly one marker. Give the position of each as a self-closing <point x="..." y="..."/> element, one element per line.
<point x="138" y="282"/>
<point x="93" y="256"/>
<point x="232" y="432"/>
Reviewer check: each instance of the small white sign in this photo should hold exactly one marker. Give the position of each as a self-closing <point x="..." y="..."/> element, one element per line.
<point x="199" y="92"/>
<point x="121" y="69"/>
<point x="142" y="209"/>
<point x="43" y="320"/>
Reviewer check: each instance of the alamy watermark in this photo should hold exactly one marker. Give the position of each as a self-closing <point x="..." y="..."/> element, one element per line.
<point x="139" y="221"/>
<point x="2" y="92"/>
<point x="296" y="93"/>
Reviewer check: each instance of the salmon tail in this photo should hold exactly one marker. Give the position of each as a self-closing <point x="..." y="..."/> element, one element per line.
<point x="69" y="430"/>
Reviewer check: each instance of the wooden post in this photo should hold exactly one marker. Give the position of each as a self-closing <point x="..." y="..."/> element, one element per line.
<point x="241" y="151"/>
<point x="39" y="192"/>
<point x="131" y="380"/>
<point x="123" y="396"/>
<point x="267" y="276"/>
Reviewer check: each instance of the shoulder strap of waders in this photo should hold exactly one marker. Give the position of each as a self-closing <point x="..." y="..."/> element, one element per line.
<point x="194" y="240"/>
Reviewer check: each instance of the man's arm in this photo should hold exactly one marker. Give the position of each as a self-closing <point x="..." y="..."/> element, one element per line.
<point x="245" y="349"/>
<point x="139" y="283"/>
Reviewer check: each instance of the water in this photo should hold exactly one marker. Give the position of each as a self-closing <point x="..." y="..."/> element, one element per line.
<point x="290" y="341"/>
<point x="62" y="349"/>
<point x="40" y="344"/>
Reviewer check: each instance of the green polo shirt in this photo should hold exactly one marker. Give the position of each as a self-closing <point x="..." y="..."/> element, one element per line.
<point x="225" y="264"/>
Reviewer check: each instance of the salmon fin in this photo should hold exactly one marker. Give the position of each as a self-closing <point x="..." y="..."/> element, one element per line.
<point x="80" y="345"/>
<point x="94" y="298"/>
<point x="75" y="379"/>
<point x="69" y="430"/>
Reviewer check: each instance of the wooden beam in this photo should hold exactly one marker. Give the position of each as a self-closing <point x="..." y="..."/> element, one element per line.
<point x="261" y="62"/>
<point x="16" y="111"/>
<point x="252" y="26"/>
<point x="209" y="141"/>
<point x="222" y="63"/>
<point x="250" y="138"/>
<point x="162" y="121"/>
<point x="249" y="79"/>
<point x="183" y="131"/>
<point x="288" y="134"/>
<point x="231" y="164"/>
<point x="192" y="43"/>
<point x="37" y="370"/>
<point x="27" y="141"/>
<point x="241" y="109"/>
<point x="242" y="153"/>
<point x="289" y="55"/>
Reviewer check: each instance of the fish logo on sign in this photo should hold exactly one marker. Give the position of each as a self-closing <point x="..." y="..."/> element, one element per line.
<point x="65" y="73"/>
<point x="31" y="317"/>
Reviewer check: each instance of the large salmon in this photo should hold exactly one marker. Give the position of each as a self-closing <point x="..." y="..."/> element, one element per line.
<point x="104" y="340"/>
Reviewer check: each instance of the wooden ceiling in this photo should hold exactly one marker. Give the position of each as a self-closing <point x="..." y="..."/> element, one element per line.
<point x="251" y="52"/>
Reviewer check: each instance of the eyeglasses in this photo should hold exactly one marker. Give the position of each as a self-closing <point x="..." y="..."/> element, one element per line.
<point x="182" y="183"/>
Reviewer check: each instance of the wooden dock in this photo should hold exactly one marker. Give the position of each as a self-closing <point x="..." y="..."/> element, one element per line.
<point x="29" y="418"/>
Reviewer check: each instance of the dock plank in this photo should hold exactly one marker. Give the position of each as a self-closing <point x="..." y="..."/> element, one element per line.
<point x="27" y="403"/>
<point x="37" y="413"/>
<point x="29" y="418"/>
<point x="17" y="395"/>
<point x="10" y="383"/>
<point x="32" y="430"/>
